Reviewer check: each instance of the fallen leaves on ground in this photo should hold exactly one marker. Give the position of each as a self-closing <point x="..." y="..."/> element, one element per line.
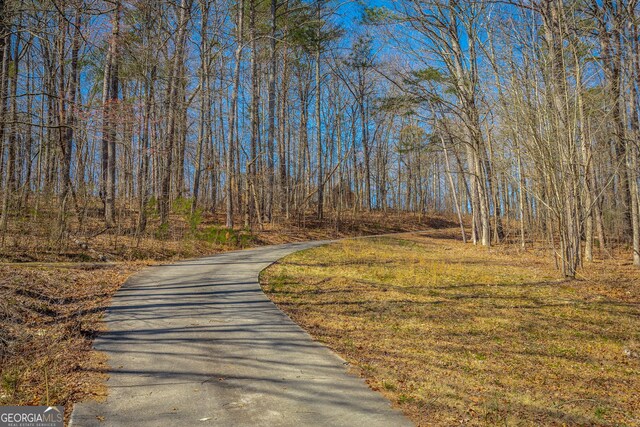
<point x="49" y="315"/>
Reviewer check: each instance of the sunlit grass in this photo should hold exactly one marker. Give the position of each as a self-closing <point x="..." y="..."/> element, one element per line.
<point x="458" y="334"/>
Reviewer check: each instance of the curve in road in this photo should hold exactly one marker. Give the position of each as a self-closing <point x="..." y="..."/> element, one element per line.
<point x="198" y="343"/>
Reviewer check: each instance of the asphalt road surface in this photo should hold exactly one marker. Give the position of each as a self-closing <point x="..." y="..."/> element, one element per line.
<point x="198" y="343"/>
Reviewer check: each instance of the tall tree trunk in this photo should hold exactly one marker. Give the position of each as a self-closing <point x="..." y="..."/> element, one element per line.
<point x="320" y="176"/>
<point x="205" y="102"/>
<point x="109" y="121"/>
<point x="145" y="148"/>
<point x="609" y="26"/>
<point x="632" y="167"/>
<point x="174" y="87"/>
<point x="453" y="189"/>
<point x="106" y="125"/>
<point x="65" y="119"/>
<point x="6" y="171"/>
<point x="282" y="151"/>
<point x="232" y="116"/>
<point x="251" y="171"/>
<point x="4" y="77"/>
<point x="271" y="126"/>
<point x="585" y="149"/>
<point x="632" y="148"/>
<point x="72" y="96"/>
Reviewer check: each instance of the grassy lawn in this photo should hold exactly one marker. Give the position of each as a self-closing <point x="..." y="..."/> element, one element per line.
<point x="455" y="334"/>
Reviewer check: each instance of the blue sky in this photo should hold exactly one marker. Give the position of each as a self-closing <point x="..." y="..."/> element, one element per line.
<point x="350" y="11"/>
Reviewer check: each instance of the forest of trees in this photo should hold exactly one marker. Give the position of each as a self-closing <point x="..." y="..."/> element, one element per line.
<point x="520" y="118"/>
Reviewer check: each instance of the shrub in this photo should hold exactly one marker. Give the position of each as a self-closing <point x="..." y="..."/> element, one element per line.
<point x="226" y="236"/>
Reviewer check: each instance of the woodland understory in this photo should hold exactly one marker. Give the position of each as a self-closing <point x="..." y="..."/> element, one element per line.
<point x="519" y="119"/>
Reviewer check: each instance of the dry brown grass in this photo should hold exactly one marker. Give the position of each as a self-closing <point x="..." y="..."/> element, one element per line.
<point x="49" y="315"/>
<point x="53" y="293"/>
<point x="456" y="334"/>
